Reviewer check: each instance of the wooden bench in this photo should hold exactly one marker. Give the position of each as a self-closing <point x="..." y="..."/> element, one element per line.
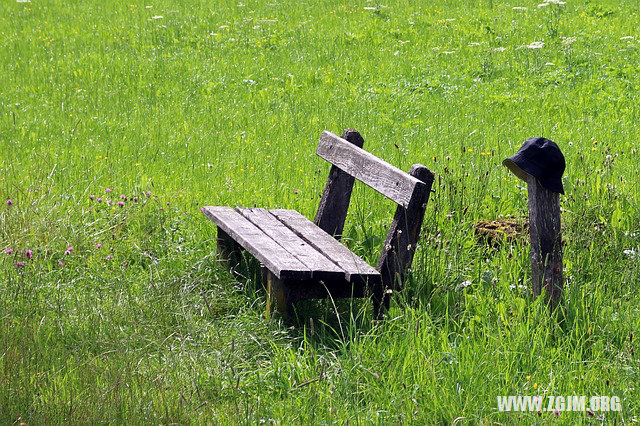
<point x="301" y="259"/>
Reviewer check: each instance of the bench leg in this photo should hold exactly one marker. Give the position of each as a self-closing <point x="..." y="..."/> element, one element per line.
<point x="277" y="295"/>
<point x="229" y="250"/>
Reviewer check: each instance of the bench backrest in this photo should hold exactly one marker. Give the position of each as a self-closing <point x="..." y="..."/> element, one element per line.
<point x="409" y="190"/>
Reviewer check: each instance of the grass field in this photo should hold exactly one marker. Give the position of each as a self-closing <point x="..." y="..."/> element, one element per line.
<point x="121" y="314"/>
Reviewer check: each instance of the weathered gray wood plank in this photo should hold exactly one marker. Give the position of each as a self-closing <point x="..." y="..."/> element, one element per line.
<point x="321" y="267"/>
<point x="367" y="168"/>
<point x="356" y="269"/>
<point x="546" y="242"/>
<point x="260" y="245"/>
<point x="332" y="210"/>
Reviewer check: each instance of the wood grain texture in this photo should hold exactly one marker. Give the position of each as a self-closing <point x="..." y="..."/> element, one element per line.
<point x="546" y="242"/>
<point x="334" y="203"/>
<point x="272" y="255"/>
<point x="357" y="270"/>
<point x="400" y="245"/>
<point x="321" y="267"/>
<point x="367" y="168"/>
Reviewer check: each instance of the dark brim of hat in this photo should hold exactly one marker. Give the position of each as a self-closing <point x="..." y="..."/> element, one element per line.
<point x="523" y="173"/>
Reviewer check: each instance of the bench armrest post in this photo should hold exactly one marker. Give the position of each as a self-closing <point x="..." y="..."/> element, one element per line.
<point x="400" y="245"/>
<point x="332" y="211"/>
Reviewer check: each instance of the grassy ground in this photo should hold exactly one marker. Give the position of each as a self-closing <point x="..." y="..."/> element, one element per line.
<point x="122" y="314"/>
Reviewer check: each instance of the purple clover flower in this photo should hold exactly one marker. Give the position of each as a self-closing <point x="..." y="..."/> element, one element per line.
<point x="9" y="202"/>
<point x="29" y="254"/>
<point x="9" y="251"/>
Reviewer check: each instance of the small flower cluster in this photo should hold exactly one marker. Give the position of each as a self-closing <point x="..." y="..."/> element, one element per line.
<point x="21" y="256"/>
<point x="122" y="199"/>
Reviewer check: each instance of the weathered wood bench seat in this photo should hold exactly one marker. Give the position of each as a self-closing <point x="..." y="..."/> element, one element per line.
<point x="303" y="259"/>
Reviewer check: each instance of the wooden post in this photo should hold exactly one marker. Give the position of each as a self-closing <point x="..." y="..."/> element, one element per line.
<point x="277" y="299"/>
<point x="332" y="211"/>
<point x="546" y="242"/>
<point x="400" y="245"/>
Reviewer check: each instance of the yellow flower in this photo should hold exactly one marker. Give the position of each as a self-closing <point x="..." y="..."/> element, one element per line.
<point x="535" y="386"/>
<point x="528" y="377"/>
<point x="138" y="164"/>
<point x="470" y="150"/>
<point x="268" y="156"/>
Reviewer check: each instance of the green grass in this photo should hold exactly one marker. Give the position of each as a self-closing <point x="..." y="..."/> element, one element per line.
<point x="222" y="103"/>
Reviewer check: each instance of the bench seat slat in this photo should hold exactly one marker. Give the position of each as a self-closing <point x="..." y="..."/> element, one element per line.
<point x="356" y="268"/>
<point x="272" y="255"/>
<point x="388" y="180"/>
<point x="322" y="268"/>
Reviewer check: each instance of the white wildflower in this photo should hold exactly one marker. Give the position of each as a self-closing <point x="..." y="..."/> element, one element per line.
<point x="627" y="38"/>
<point x="535" y="45"/>
<point x="630" y="252"/>
<point x="463" y="284"/>
<point x="569" y="40"/>
<point x="543" y="5"/>
<point x="519" y="8"/>
<point x="560" y="2"/>
<point x="157" y="17"/>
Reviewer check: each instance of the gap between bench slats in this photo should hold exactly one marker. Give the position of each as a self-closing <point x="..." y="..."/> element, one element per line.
<point x="355" y="267"/>
<point x="322" y="268"/>
<point x="273" y="256"/>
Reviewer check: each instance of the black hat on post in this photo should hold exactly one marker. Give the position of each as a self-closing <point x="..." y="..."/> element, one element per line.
<point x="542" y="159"/>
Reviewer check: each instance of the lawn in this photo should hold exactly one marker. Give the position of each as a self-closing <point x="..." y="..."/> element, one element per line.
<point x="121" y="313"/>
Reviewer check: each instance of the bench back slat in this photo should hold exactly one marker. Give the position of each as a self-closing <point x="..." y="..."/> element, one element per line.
<point x="388" y="180"/>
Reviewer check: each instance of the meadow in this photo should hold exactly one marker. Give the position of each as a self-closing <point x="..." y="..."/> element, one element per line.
<point x="120" y="119"/>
